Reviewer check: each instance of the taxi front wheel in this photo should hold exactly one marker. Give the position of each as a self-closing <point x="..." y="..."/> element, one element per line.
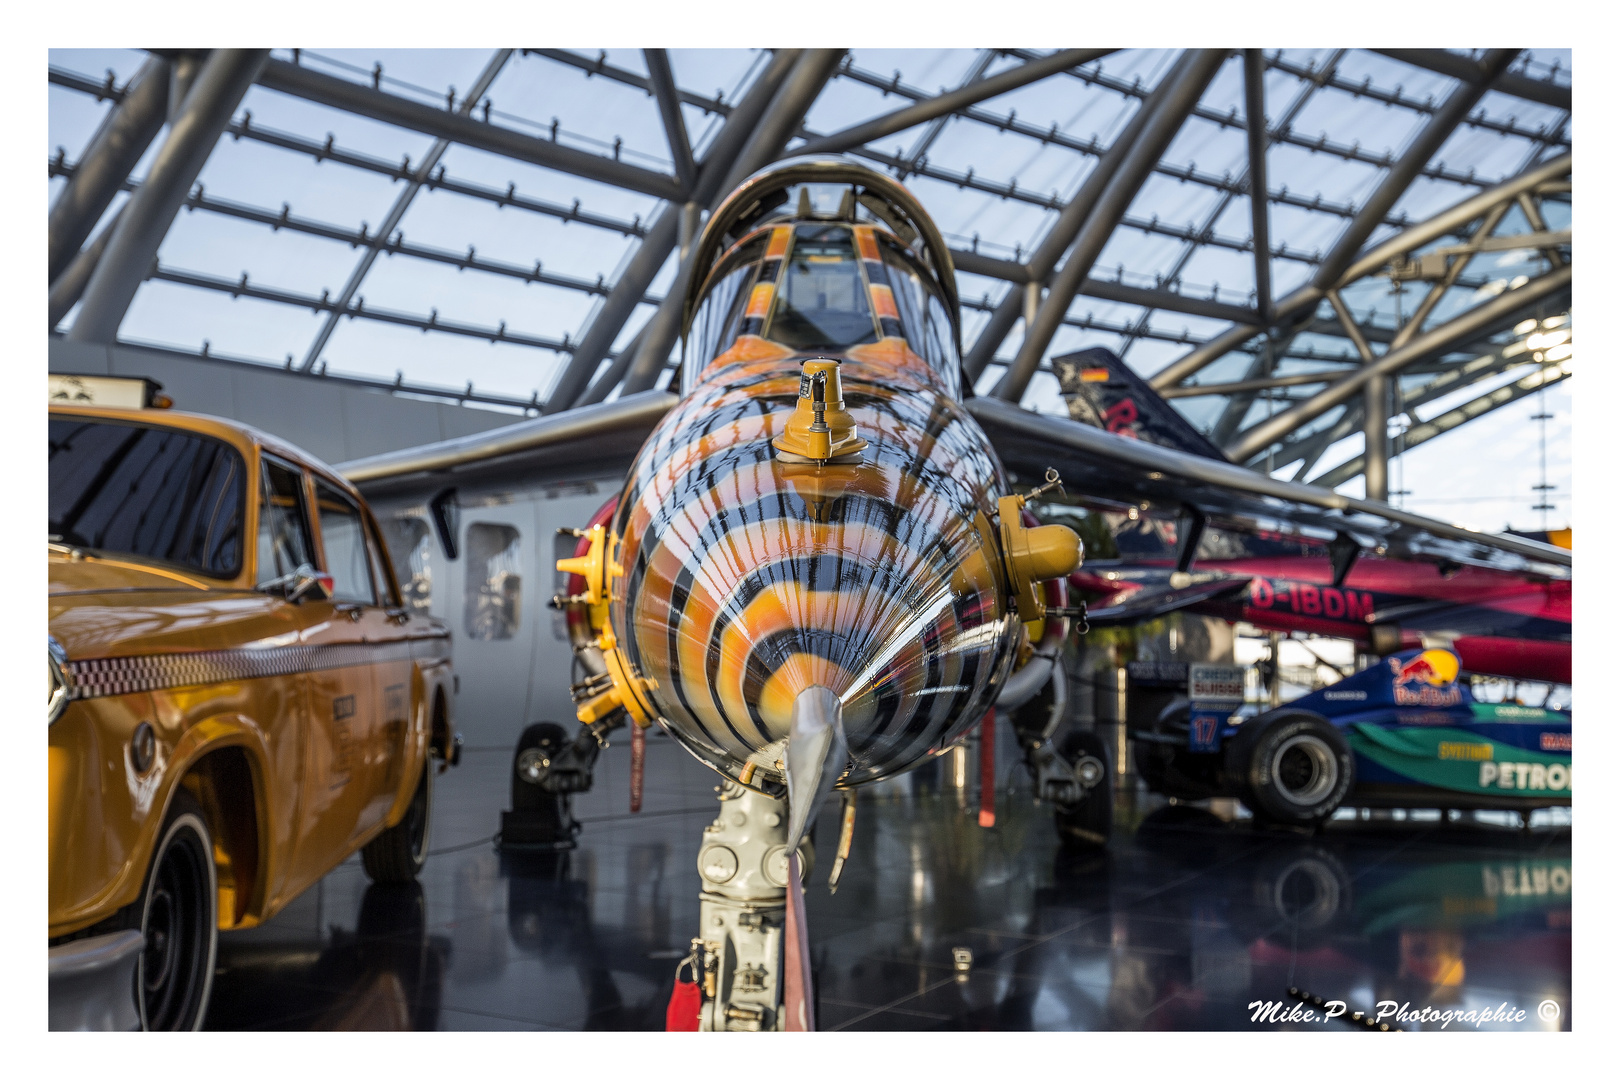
<point x="178" y="918"/>
<point x="398" y="854"/>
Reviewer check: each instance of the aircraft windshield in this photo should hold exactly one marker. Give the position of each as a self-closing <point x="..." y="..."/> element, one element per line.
<point x="821" y="299"/>
<point x="719" y="319"/>
<point x="923" y="315"/>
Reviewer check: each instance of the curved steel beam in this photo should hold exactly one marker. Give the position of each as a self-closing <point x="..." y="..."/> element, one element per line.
<point x="113" y="151"/>
<point x="402" y="203"/>
<point x="1453" y="419"/>
<point x="1263" y="434"/>
<point x="218" y="89"/>
<point x="1111" y="205"/>
<point x="300" y="81"/>
<point x="930" y="108"/>
<point x="1308" y="296"/>
<point x="662" y="234"/>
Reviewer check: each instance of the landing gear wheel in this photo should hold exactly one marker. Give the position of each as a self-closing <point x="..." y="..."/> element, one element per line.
<point x="1294" y="768"/>
<point x="179" y="919"/>
<point x="398" y="854"/>
<point x="541" y="819"/>
<point x="1088" y="825"/>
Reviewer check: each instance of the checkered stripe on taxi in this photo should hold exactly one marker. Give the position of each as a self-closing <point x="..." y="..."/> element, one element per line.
<point x="111" y="676"/>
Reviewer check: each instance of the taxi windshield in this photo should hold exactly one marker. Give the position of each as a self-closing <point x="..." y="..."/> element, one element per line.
<point x="821" y="298"/>
<point x="151" y="492"/>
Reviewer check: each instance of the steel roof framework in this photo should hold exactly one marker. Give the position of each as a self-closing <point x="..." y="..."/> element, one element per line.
<point x="1387" y="309"/>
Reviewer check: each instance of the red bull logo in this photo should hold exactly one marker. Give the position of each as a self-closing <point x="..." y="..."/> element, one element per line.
<point x="1429" y="678"/>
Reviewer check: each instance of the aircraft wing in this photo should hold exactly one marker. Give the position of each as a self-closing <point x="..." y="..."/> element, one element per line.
<point x="1118" y="472"/>
<point x="1151" y="603"/>
<point x="590" y="441"/>
<point x="1103" y="468"/>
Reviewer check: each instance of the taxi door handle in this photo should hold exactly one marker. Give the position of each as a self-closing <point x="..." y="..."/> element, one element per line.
<point x="351" y="610"/>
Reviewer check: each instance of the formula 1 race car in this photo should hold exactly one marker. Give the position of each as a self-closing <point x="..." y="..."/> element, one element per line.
<point x="1402" y="733"/>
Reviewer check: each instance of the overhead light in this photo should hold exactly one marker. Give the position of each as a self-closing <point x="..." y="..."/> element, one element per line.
<point x="1561" y="352"/>
<point x="1525" y="327"/>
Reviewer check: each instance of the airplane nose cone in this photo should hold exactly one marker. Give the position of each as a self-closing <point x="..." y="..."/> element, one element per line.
<point x="756" y="592"/>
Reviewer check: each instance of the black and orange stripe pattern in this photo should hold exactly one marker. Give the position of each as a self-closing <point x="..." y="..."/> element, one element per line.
<point x="748" y="579"/>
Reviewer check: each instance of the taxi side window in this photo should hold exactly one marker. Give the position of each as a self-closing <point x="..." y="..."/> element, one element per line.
<point x="410" y="544"/>
<point x="283" y="542"/>
<point x="379" y="568"/>
<point x="344" y="538"/>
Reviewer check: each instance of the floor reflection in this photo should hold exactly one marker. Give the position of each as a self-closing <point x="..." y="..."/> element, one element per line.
<point x="385" y="974"/>
<point x="1181" y="924"/>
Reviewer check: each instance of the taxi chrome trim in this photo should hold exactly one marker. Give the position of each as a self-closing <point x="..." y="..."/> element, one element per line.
<point x="115" y="675"/>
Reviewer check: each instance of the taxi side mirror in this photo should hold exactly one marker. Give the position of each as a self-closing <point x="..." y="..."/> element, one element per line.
<point x="303" y="581"/>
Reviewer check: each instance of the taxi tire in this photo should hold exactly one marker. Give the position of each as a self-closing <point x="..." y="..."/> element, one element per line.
<point x="1292" y="767"/>
<point x="178" y="915"/>
<point x="397" y="854"/>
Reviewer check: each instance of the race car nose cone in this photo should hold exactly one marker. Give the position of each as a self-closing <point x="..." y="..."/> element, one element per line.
<point x="817" y="754"/>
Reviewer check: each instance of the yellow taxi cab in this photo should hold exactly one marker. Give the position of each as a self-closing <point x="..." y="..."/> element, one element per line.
<point x="239" y="701"/>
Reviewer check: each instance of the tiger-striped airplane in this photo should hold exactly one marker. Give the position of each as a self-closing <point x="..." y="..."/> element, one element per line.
<point x="817" y="573"/>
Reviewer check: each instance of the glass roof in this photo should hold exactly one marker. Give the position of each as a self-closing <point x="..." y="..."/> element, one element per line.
<point x="498" y="266"/>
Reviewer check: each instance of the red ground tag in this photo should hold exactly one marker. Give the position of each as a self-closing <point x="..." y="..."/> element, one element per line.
<point x="987" y="770"/>
<point x="684" y="1004"/>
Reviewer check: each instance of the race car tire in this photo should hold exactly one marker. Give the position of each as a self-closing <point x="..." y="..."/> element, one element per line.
<point x="1293" y="767"/>
<point x="178" y="913"/>
<point x="397" y="854"/>
<point x="1088" y="825"/>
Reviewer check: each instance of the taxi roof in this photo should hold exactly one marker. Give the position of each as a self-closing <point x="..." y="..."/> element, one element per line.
<point x="244" y="437"/>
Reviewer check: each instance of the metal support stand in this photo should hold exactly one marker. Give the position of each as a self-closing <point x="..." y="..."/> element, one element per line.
<point x="743" y="910"/>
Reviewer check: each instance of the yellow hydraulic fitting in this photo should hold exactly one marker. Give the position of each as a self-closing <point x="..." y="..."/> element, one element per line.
<point x="820" y="428"/>
<point x="598" y="569"/>
<point x="1034" y="555"/>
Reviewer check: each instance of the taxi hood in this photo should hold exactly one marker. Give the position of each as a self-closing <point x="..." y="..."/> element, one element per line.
<point x="71" y="572"/>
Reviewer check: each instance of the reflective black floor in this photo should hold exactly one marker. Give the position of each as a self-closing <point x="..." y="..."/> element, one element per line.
<point x="1184" y="923"/>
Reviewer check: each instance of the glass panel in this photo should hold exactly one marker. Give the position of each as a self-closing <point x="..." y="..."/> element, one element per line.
<point x="821" y="300"/>
<point x="152" y="492"/>
<point x="494" y="586"/>
<point x="379" y="568"/>
<point x="345" y="544"/>
<point x="719" y="316"/>
<point x="922" y="314"/>
<point x="410" y="546"/>
<point x="283" y="543"/>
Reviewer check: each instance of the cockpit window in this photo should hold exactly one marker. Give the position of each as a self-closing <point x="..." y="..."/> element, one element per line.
<point x="923" y="316"/>
<point x="715" y="325"/>
<point x="821" y="298"/>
